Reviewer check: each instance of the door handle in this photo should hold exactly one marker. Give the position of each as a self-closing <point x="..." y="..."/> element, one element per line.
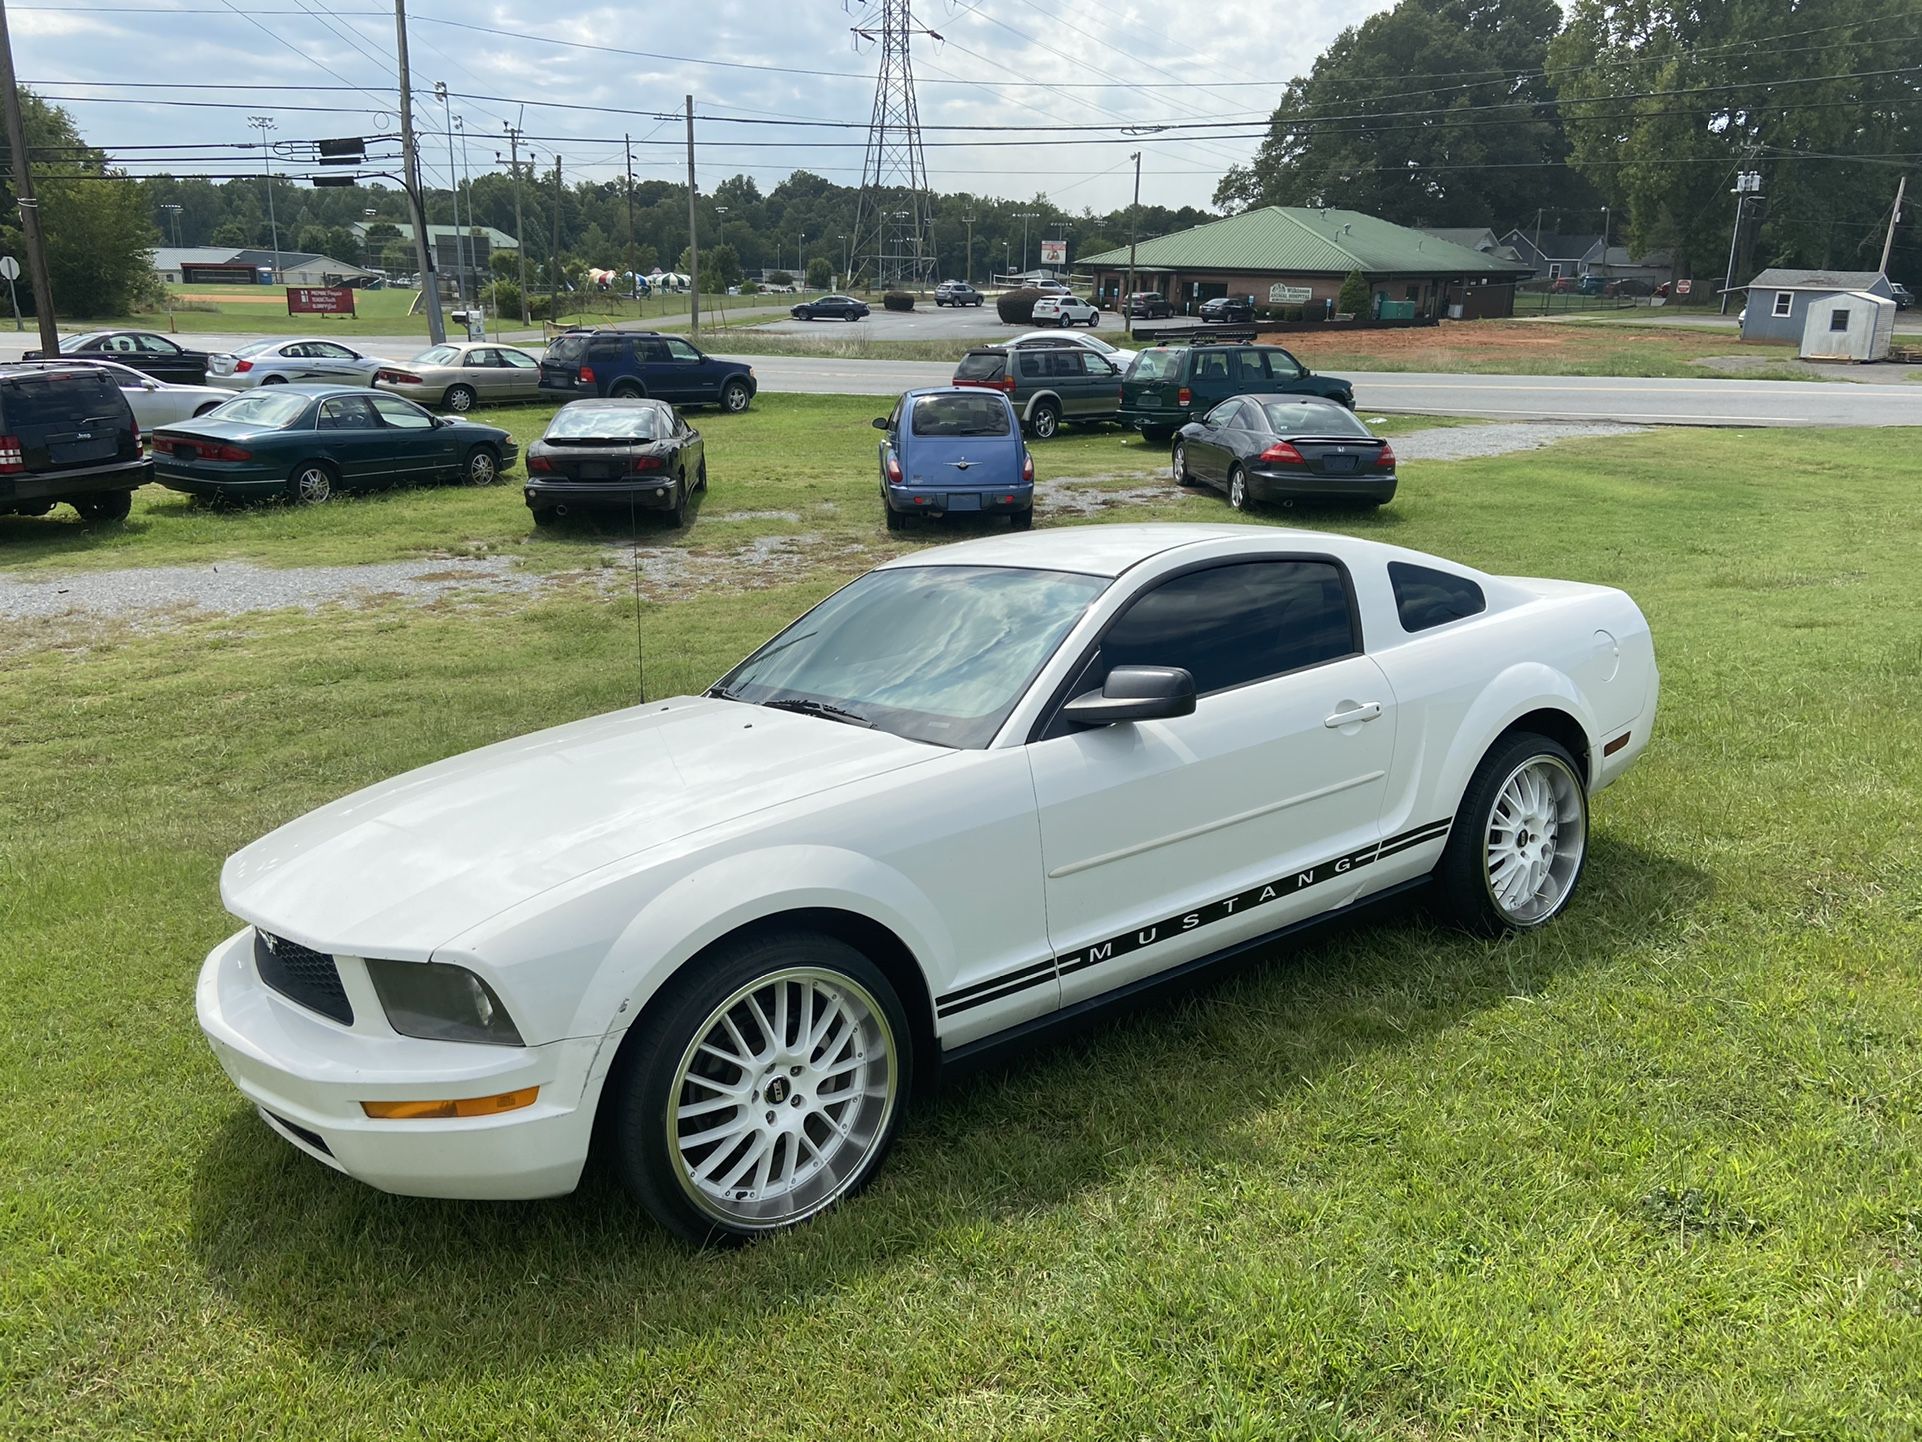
<point x="1354" y="715"/>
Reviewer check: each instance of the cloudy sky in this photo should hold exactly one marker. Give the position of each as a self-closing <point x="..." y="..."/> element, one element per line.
<point x="583" y="74"/>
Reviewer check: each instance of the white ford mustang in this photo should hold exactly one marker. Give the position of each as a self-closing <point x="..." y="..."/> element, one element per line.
<point x="980" y="789"/>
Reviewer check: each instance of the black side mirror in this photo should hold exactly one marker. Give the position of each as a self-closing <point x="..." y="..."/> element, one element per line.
<point x="1135" y="693"/>
<point x="880" y="423"/>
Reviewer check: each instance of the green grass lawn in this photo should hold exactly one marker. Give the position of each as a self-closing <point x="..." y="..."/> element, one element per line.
<point x="1650" y="1174"/>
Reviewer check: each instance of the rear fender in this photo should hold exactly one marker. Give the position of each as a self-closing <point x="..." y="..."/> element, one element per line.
<point x="1027" y="411"/>
<point x="1522" y="688"/>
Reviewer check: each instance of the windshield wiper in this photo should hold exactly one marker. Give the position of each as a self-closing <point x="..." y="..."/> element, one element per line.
<point x="721" y="693"/>
<point x="809" y="707"/>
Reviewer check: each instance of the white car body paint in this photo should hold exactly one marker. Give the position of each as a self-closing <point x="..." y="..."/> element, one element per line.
<point x="1120" y="355"/>
<point x="1066" y="310"/>
<point x="576" y="869"/>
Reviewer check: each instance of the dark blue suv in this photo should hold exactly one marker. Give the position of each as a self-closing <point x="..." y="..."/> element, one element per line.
<point x="644" y="363"/>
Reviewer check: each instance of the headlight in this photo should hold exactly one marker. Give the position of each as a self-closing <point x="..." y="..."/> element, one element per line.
<point x="440" y="1003"/>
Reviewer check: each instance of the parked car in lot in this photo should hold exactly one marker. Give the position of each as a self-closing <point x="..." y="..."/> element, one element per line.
<point x="1901" y="295"/>
<point x="67" y="434"/>
<point x="957" y="292"/>
<point x="461" y="375"/>
<point x="1147" y="305"/>
<point x="155" y="355"/>
<point x="1050" y="287"/>
<point x="951" y="451"/>
<point x="1047" y="339"/>
<point x="1170" y="385"/>
<point x="1046" y="384"/>
<point x="629" y="363"/>
<point x="311" y="443"/>
<point x="1228" y="308"/>
<point x="974" y="794"/>
<point x="1292" y="448"/>
<point x="288" y="362"/>
<point x="154" y="403"/>
<point x="831" y="307"/>
<point x="1066" y="310"/>
<point x="615" y="455"/>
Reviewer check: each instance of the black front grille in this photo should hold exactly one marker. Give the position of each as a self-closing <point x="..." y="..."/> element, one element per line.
<point x="313" y="1139"/>
<point x="302" y="975"/>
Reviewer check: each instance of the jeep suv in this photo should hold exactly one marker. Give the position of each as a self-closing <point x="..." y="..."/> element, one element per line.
<point x="1048" y="385"/>
<point x="67" y="435"/>
<point x="644" y="363"/>
<point x="1170" y="385"/>
<point x="957" y="292"/>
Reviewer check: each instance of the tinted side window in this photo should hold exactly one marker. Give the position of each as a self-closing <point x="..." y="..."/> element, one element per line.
<point x="1426" y="597"/>
<point x="1033" y="363"/>
<point x="1251" y="367"/>
<point x="679" y="350"/>
<point x="603" y="348"/>
<point x="1230" y="625"/>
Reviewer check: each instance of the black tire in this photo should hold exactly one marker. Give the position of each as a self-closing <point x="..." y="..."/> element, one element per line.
<point x="1044" y="420"/>
<point x="1463" y="872"/>
<point x="656" y="1068"/>
<point x="459" y="399"/>
<point x="1178" y="464"/>
<point x="896" y="521"/>
<point x="544" y="515"/>
<point x="312" y="483"/>
<point x="700" y="477"/>
<point x="677" y="517"/>
<point x="1022" y="520"/>
<point x="625" y="391"/>
<point x="273" y="380"/>
<point x="735" y="397"/>
<point x="482" y="467"/>
<point x="1157" y="435"/>
<point x="204" y="409"/>
<point x="1238" y="496"/>
<point x="104" y="505"/>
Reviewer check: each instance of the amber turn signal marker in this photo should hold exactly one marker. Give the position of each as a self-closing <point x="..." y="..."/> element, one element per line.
<point x="1617" y="744"/>
<point x="464" y="1107"/>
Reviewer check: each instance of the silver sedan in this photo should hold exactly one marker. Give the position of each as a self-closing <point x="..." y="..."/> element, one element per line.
<point x="274" y="362"/>
<point x="460" y="375"/>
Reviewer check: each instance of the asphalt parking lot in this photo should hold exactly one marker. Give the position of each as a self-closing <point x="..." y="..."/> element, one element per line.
<point x="926" y="321"/>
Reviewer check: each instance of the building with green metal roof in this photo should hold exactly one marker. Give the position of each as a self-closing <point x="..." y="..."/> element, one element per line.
<point x="1290" y="255"/>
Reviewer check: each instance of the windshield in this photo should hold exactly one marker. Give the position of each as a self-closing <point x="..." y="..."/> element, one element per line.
<point x="1156" y="365"/>
<point x="262" y="408"/>
<point x="1094" y="343"/>
<point x="932" y="653"/>
<point x="975" y="415"/>
<point x="437" y="355"/>
<point x="634" y="423"/>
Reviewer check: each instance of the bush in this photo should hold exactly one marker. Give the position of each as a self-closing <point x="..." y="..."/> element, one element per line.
<point x="1293" y="312"/>
<point x="898" y="300"/>
<point x="820" y="273"/>
<point x="780" y="277"/>
<point x="503" y="298"/>
<point x="749" y="287"/>
<point x="1354" y="297"/>
<point x="1016" y="307"/>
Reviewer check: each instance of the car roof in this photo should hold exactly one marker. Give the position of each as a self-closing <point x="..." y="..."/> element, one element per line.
<point x="919" y="392"/>
<point x="318" y="388"/>
<point x="616" y="403"/>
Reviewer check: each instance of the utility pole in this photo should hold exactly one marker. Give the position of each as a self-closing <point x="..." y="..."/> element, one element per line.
<point x="520" y="226"/>
<point x="693" y="234"/>
<point x="1895" y="216"/>
<point x="1747" y="183"/>
<point x="1024" y="217"/>
<point x="410" y="166"/>
<point x="453" y="184"/>
<point x="473" y="253"/>
<point x="554" y="247"/>
<point x="633" y="284"/>
<point x="1134" y="227"/>
<point x="264" y="124"/>
<point x="23" y="196"/>
<point x="968" y="269"/>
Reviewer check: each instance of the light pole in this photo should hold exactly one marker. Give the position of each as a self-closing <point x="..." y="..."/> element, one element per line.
<point x="466" y="237"/>
<point x="264" y="124"/>
<point x="173" y="214"/>
<point x="967" y="266"/>
<point x="850" y="254"/>
<point x="800" y="261"/>
<point x="1024" y="217"/>
<point x="453" y="184"/>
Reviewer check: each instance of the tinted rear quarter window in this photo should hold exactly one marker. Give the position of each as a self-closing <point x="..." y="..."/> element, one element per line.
<point x="978" y="368"/>
<point x="1231" y="625"/>
<point x="1425" y="597"/>
<point x="568" y="349"/>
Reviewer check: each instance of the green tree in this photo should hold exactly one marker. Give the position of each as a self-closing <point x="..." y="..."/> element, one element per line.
<point x="820" y="273"/>
<point x="1354" y="298"/>
<point x="97" y="226"/>
<point x="720" y="268"/>
<point x="230" y="233"/>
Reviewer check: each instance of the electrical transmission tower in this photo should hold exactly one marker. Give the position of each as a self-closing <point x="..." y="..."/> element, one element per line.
<point x="893" y="239"/>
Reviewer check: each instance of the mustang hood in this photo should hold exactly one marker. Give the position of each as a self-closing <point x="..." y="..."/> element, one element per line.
<point x="403" y="866"/>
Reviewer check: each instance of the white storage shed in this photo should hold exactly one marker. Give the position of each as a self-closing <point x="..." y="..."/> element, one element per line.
<point x="1848" y="325"/>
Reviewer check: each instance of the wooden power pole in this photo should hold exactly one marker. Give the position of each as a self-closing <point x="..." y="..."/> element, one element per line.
<point x="410" y="165"/>
<point x="520" y="226"/>
<point x="554" y="248"/>
<point x="1888" y="241"/>
<point x="23" y="196"/>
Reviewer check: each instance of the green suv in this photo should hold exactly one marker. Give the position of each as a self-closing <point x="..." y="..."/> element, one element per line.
<point x="1170" y="385"/>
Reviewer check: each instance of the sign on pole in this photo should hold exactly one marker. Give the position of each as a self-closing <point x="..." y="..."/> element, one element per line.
<point x="1054" y="252"/>
<point x="1683" y="287"/>
<point x="320" y="300"/>
<point x="10" y="268"/>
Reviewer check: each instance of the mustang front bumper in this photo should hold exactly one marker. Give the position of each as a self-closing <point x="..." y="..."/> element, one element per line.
<point x="308" y="1075"/>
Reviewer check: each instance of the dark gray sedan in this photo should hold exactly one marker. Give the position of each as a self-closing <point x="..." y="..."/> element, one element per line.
<point x="1287" y="449"/>
<point x="615" y="454"/>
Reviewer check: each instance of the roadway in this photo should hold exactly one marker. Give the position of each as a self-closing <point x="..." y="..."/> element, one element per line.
<point x="1581" y="398"/>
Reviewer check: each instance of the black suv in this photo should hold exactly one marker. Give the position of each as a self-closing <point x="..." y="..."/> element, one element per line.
<point x="957" y="292"/>
<point x="67" y="436"/>
<point x="1169" y="385"/>
<point x="1228" y="308"/>
<point x="644" y="363"/>
<point x="1147" y="305"/>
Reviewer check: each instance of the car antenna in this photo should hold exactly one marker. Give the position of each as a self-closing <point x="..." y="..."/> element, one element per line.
<point x="634" y="540"/>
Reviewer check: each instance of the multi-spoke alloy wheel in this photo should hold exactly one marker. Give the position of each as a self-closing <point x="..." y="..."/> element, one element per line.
<point x="762" y="1086"/>
<point x="1515" y="852"/>
<point x="1534" y="843"/>
<point x="784" y="1096"/>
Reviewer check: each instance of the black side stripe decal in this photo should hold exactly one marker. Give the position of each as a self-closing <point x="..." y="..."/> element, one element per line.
<point x="1035" y="973"/>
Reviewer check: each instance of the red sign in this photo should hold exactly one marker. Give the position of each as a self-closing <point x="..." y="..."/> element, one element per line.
<point x="1683" y="287"/>
<point x="320" y="300"/>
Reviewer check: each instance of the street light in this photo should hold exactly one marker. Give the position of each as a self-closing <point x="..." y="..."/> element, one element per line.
<point x="453" y="184"/>
<point x="968" y="267"/>
<point x="1024" y="217"/>
<point x="264" y="124"/>
<point x="174" y="214"/>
